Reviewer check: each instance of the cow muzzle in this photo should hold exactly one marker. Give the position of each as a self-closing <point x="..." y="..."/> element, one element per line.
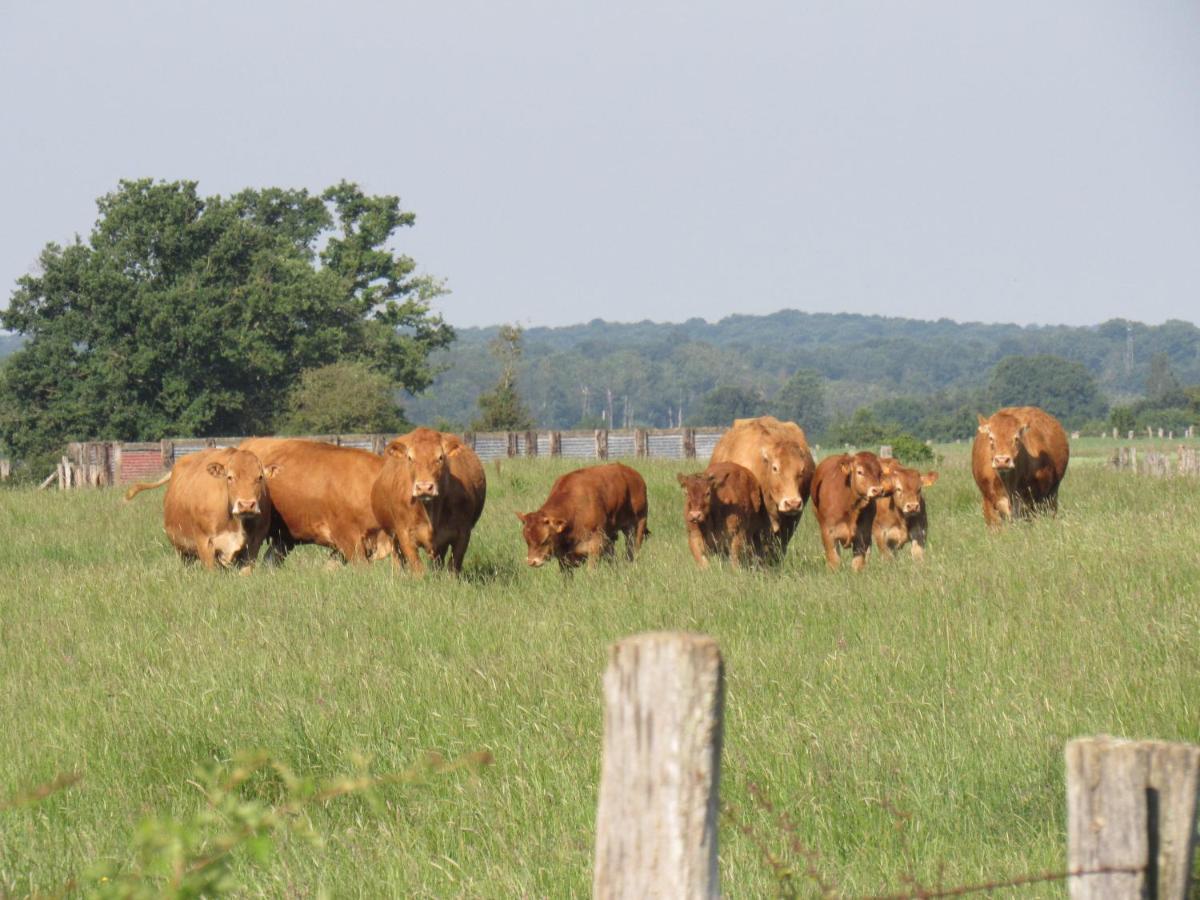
<point x="535" y="562"/>
<point x="874" y="491"/>
<point x="790" y="505"/>
<point x="910" y="508"/>
<point x="425" y="490"/>
<point x="1002" y="462"/>
<point x="245" y="508"/>
<point x="695" y="517"/>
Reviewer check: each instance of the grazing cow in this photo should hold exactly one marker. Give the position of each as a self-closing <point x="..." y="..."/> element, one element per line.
<point x="900" y="516"/>
<point x="322" y="496"/>
<point x="583" y="515"/>
<point x="1018" y="460"/>
<point x="725" y="514"/>
<point x="844" y="490"/>
<point x="217" y="508"/>
<point x="429" y="494"/>
<point x="777" y="454"/>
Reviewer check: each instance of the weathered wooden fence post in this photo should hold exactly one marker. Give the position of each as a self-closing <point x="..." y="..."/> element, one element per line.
<point x="5" y="469"/>
<point x="556" y="443"/>
<point x="531" y="443"/>
<point x="656" y="822"/>
<point x="641" y="443"/>
<point x="601" y="443"/>
<point x="1131" y="817"/>
<point x="513" y="444"/>
<point x="689" y="443"/>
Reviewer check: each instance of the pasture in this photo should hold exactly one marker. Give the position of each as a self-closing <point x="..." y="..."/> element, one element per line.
<point x="910" y="720"/>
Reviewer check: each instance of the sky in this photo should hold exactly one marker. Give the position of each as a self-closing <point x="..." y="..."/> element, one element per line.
<point x="1016" y="161"/>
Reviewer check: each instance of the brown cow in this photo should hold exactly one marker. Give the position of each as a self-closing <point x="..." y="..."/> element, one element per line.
<point x="777" y="454"/>
<point x="844" y="490"/>
<point x="217" y="508"/>
<point x="900" y="516"/>
<point x="1018" y="460"/>
<point x="322" y="496"/>
<point x="429" y="494"/>
<point x="725" y="514"/>
<point x="583" y="515"/>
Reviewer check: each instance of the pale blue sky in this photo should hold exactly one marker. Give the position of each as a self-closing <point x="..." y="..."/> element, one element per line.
<point x="1006" y="161"/>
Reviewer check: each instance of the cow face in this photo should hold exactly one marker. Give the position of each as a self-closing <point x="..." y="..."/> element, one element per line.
<point x="1004" y="434"/>
<point x="866" y="475"/>
<point x="246" y="483"/>
<point x="542" y="534"/>
<point x="906" y="488"/>
<point x="697" y="496"/>
<point x="425" y="452"/>
<point x="786" y="471"/>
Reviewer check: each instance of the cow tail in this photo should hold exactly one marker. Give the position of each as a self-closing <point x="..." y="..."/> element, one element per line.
<point x="136" y="489"/>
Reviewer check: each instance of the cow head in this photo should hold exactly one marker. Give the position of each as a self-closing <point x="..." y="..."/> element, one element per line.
<point x="246" y="483"/>
<point x="865" y="473"/>
<point x="542" y="535"/>
<point x="1004" y="433"/>
<point x="906" y="488"/>
<point x="425" y="451"/>
<point x="698" y="493"/>
<point x="786" y="471"/>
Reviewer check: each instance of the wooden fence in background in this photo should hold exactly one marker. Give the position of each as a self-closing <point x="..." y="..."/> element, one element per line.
<point x="103" y="463"/>
<point x="1153" y="462"/>
<point x="1131" y="805"/>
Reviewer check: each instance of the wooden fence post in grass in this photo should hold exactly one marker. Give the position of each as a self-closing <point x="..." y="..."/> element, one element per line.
<point x="1131" y="810"/>
<point x="5" y="469"/>
<point x="656" y="822"/>
<point x="601" y="443"/>
<point x="556" y="443"/>
<point x="689" y="443"/>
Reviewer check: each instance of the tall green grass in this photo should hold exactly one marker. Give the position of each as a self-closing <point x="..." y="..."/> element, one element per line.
<point x="909" y="720"/>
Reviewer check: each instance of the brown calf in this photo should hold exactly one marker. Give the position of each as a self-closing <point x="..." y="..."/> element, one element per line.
<point x="900" y="516"/>
<point x="583" y="515"/>
<point x="1019" y="459"/>
<point x="844" y="491"/>
<point x="725" y="514"/>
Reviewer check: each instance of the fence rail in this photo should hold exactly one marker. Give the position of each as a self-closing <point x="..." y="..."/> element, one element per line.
<point x="105" y="463"/>
<point x="1157" y="463"/>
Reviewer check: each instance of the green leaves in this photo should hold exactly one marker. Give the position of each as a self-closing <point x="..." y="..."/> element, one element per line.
<point x="194" y="315"/>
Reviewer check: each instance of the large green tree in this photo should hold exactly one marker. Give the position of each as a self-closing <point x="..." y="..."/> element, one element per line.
<point x="802" y="400"/>
<point x="183" y="314"/>
<point x="1062" y="387"/>
<point x="341" y="398"/>
<point x="501" y="408"/>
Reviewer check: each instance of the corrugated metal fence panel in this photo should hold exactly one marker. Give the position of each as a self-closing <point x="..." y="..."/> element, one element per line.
<point x="665" y="446"/>
<point x="543" y="443"/>
<point x="579" y="446"/>
<point x="489" y="446"/>
<point x="522" y="445"/>
<point x="621" y="446"/>
<point x="358" y="442"/>
<point x="706" y="442"/>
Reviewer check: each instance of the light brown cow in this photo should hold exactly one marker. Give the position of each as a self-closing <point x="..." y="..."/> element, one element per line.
<point x="725" y="514"/>
<point x="1019" y="459"/>
<point x="777" y="454"/>
<point x="583" y="515"/>
<point x="844" y="490"/>
<point x="322" y="495"/>
<point x="900" y="516"/>
<point x="429" y="494"/>
<point x="217" y="508"/>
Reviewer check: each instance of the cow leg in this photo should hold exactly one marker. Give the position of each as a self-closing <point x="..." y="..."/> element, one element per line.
<point x="737" y="547"/>
<point x="862" y="547"/>
<point x="458" y="552"/>
<point x="206" y="553"/>
<point x="991" y="515"/>
<point x="832" y="560"/>
<point x="696" y="545"/>
<point x="409" y="548"/>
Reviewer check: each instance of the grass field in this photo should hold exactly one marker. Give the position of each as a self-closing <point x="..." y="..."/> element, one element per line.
<point x="910" y="719"/>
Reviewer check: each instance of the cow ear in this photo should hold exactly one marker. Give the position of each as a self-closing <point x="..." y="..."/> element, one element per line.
<point x="451" y="444"/>
<point x="844" y="465"/>
<point x="216" y="470"/>
<point x="929" y="478"/>
<point x="1021" y="431"/>
<point x="397" y="449"/>
<point x="271" y="471"/>
<point x="558" y="526"/>
<point x="716" y="480"/>
<point x="982" y="421"/>
<point x="522" y="516"/>
<point x="681" y="478"/>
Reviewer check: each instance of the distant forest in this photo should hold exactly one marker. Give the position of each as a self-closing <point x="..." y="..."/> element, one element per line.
<point x="928" y="377"/>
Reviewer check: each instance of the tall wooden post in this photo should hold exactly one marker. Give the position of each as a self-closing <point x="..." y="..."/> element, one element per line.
<point x="689" y="443"/>
<point x="556" y="443"/>
<point x="601" y="443"/>
<point x="513" y="445"/>
<point x="641" y="443"/>
<point x="656" y="823"/>
<point x="531" y="443"/>
<point x="1131" y="818"/>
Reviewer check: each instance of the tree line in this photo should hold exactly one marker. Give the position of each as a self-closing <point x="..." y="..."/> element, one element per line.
<point x="282" y="311"/>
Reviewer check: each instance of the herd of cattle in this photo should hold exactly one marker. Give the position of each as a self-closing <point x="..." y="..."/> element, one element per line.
<point x="426" y="492"/>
